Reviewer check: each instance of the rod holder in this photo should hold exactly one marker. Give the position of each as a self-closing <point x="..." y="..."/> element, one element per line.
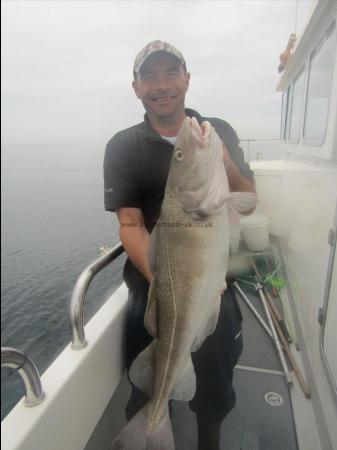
<point x="79" y="293"/>
<point x="24" y="366"/>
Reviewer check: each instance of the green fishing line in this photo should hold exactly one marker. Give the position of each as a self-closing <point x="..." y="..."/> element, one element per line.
<point x="276" y="282"/>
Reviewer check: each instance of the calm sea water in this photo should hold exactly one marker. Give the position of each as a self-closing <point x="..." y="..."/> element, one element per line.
<point x="53" y="224"/>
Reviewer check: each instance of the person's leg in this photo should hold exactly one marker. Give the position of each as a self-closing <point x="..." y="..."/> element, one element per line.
<point x="136" y="402"/>
<point x="214" y="363"/>
<point x="137" y="339"/>
<point x="208" y="434"/>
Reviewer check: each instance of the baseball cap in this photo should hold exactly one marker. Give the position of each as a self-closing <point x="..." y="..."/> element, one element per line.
<point x="156" y="46"/>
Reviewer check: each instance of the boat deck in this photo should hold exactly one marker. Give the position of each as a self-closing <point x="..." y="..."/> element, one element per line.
<point x="253" y="424"/>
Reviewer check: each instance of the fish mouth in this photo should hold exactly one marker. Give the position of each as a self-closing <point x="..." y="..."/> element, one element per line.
<point x="201" y="133"/>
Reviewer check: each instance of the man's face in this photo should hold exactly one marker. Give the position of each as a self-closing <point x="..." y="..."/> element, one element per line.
<point x="161" y="85"/>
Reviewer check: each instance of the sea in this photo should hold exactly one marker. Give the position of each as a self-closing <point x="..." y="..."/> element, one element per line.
<point x="53" y="226"/>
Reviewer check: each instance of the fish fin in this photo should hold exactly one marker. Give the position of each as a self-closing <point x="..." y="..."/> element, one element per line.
<point x="152" y="250"/>
<point x="186" y="385"/>
<point x="136" y="436"/>
<point x="215" y="200"/>
<point x="141" y="370"/>
<point x="150" y="318"/>
<point x="208" y="328"/>
<point x="242" y="201"/>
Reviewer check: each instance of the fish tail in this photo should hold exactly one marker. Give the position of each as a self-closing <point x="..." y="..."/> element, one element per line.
<point x="138" y="435"/>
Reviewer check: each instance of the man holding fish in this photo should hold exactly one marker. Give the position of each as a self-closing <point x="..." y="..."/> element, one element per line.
<point x="171" y="180"/>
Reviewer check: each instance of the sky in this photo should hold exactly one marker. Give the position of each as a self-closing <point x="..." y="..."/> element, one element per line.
<point x="67" y="65"/>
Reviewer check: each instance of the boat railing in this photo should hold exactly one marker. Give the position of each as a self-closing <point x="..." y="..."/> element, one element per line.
<point x="79" y="293"/>
<point x="261" y="149"/>
<point x="24" y="366"/>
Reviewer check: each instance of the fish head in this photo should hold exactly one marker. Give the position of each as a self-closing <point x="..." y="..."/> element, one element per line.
<point x="197" y="176"/>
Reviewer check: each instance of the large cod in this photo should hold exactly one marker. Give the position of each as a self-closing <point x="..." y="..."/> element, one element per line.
<point x="188" y="257"/>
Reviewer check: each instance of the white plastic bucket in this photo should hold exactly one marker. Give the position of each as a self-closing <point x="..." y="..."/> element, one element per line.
<point x="255" y="231"/>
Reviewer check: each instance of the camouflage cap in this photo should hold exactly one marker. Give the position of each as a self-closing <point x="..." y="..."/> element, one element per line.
<point x="152" y="47"/>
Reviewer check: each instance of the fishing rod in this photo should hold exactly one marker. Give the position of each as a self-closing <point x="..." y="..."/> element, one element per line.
<point x="253" y="310"/>
<point x="273" y="322"/>
<point x="277" y="343"/>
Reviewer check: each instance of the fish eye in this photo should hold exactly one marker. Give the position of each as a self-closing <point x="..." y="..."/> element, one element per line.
<point x="179" y="156"/>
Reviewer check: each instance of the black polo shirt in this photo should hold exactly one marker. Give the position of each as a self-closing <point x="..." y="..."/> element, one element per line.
<point x="136" y="166"/>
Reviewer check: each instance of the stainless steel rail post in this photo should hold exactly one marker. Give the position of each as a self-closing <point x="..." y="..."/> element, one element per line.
<point x="19" y="361"/>
<point x="80" y="290"/>
<point x="287" y="375"/>
<point x="254" y="310"/>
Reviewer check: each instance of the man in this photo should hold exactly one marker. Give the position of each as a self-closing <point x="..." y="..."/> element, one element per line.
<point x="136" y="166"/>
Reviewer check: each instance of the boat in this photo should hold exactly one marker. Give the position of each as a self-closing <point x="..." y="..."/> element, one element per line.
<point x="79" y="401"/>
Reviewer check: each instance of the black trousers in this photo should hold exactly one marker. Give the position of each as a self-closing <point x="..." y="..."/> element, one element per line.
<point x="213" y="362"/>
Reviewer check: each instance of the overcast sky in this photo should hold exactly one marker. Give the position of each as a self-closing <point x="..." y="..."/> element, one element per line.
<point x="67" y="66"/>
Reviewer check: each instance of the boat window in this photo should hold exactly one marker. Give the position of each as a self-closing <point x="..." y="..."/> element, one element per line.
<point x="296" y="107"/>
<point x="319" y="87"/>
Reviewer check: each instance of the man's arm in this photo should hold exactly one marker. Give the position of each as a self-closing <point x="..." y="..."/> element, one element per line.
<point x="236" y="181"/>
<point x="135" y="238"/>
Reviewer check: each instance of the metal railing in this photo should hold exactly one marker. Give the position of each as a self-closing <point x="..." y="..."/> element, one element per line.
<point x="24" y="366"/>
<point x="80" y="290"/>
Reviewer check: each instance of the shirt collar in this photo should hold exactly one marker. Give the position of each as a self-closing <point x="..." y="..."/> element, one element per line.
<point x="153" y="135"/>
